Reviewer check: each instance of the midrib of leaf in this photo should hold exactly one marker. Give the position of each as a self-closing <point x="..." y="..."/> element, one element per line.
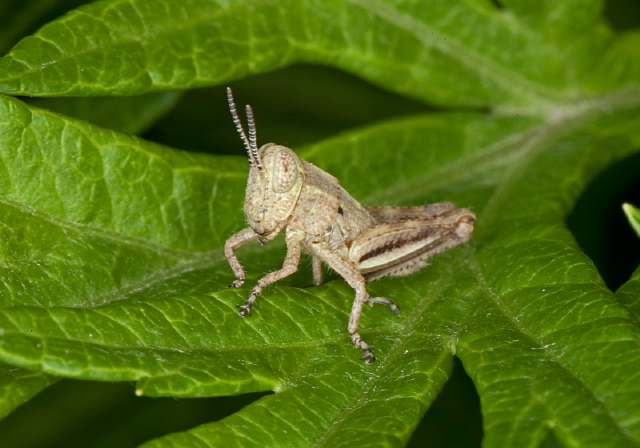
<point x="554" y="130"/>
<point x="99" y="232"/>
<point x="187" y="261"/>
<point x="589" y="109"/>
<point x="515" y="150"/>
<point x="532" y="146"/>
<point x="501" y="153"/>
<point x="204" y="260"/>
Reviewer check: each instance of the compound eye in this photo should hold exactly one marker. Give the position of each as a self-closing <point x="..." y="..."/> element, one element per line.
<point x="285" y="172"/>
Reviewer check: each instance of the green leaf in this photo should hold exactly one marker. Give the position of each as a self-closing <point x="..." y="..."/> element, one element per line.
<point x="620" y="63"/>
<point x="629" y="293"/>
<point x="633" y="215"/>
<point x="18" y="386"/>
<point x="149" y="45"/>
<point x="113" y="266"/>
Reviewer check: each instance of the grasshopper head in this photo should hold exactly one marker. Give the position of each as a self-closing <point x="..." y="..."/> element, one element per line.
<point x="275" y="179"/>
<point x="273" y="190"/>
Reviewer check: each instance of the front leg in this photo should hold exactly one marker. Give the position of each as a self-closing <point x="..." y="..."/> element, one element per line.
<point x="264" y="239"/>
<point x="234" y="242"/>
<point x="350" y="273"/>
<point x="290" y="265"/>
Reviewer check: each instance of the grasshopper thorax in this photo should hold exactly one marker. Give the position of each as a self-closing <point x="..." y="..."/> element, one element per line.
<point x="273" y="188"/>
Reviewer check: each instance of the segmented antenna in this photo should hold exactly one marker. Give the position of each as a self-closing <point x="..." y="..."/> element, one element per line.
<point x="250" y="143"/>
<point x="252" y="129"/>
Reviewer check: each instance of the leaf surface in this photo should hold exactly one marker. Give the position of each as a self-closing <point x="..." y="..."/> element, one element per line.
<point x="19" y="385"/>
<point x="471" y="54"/>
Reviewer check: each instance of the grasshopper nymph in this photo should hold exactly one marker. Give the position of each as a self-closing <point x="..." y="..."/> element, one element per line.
<point x="360" y="243"/>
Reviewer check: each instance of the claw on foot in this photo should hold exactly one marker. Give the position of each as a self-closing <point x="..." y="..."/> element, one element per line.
<point x="236" y="284"/>
<point x="367" y="355"/>
<point x="245" y="310"/>
<point x="384" y="301"/>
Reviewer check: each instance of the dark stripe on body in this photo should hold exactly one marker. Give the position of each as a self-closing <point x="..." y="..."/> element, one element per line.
<point x="394" y="245"/>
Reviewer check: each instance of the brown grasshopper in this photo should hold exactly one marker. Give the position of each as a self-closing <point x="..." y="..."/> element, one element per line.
<point x="360" y="243"/>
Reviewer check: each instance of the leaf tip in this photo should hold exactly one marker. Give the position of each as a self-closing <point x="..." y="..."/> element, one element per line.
<point x="140" y="387"/>
<point x="633" y="216"/>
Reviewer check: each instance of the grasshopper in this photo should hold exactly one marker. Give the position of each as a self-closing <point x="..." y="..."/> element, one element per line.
<point x="317" y="215"/>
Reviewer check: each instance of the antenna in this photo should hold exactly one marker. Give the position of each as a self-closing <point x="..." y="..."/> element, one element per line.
<point x="252" y="130"/>
<point x="250" y="144"/>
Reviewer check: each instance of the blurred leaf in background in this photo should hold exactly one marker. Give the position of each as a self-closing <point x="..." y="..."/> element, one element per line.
<point x="111" y="244"/>
<point x="633" y="215"/>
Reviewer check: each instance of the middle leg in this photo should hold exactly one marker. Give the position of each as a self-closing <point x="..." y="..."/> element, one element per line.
<point x="352" y="276"/>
